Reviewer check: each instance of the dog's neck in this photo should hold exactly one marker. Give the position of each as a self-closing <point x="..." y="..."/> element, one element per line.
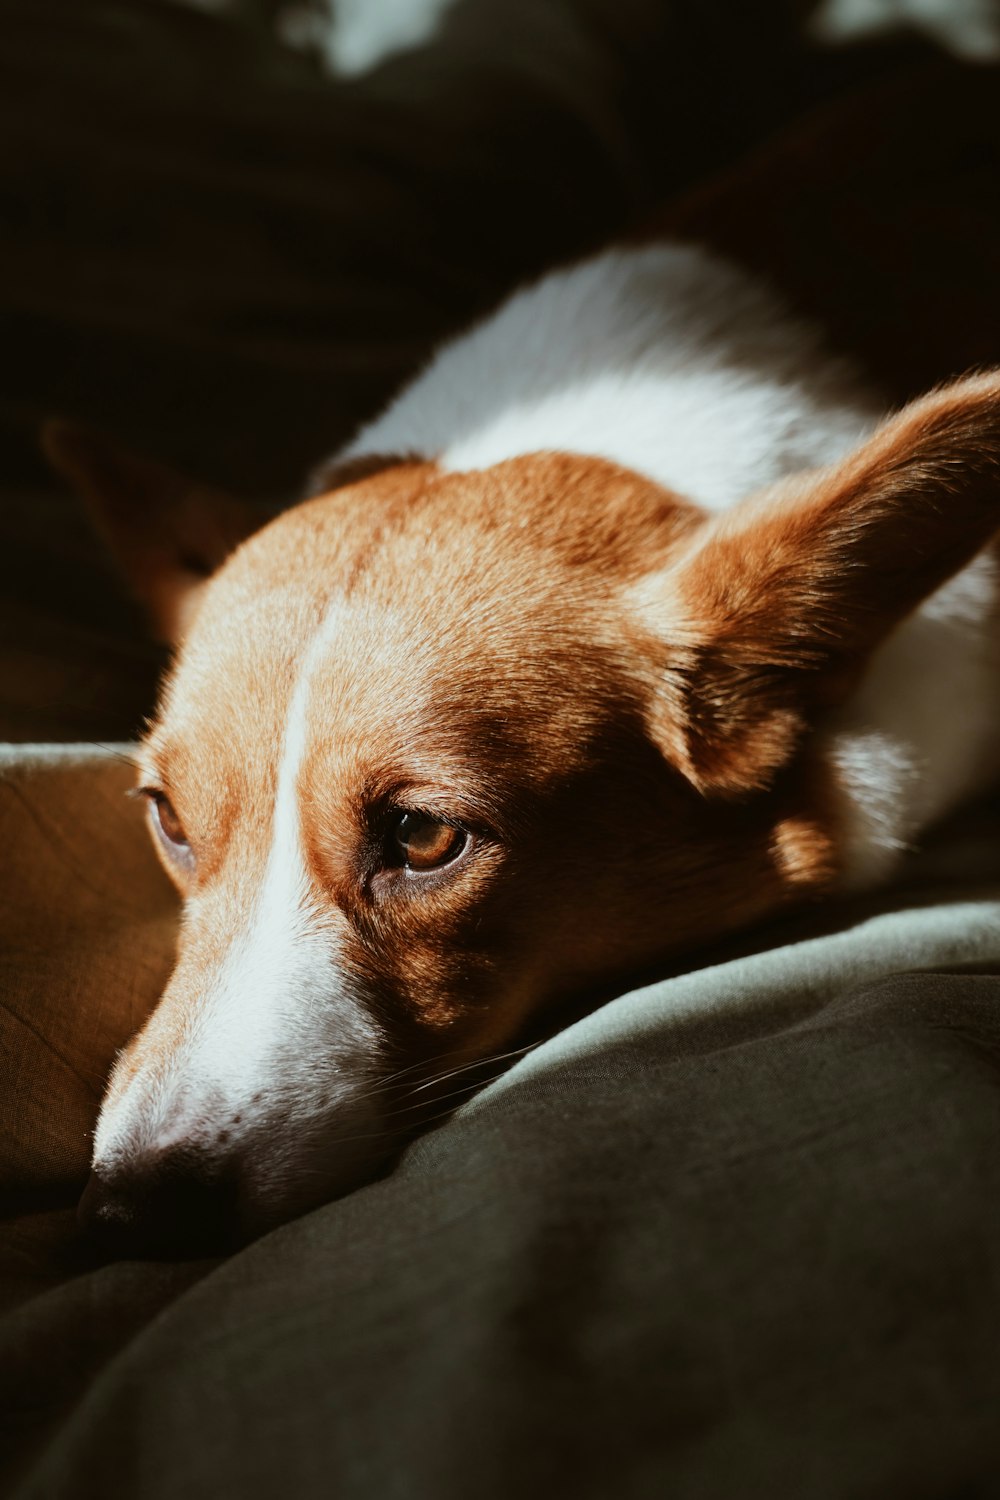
<point x="673" y="363"/>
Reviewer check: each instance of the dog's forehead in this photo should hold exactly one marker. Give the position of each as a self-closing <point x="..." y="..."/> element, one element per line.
<point x="581" y="513"/>
<point x="413" y="602"/>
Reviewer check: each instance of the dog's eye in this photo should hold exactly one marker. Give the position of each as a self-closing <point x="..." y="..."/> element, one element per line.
<point x="170" y="823"/>
<point x="168" y="826"/>
<point x="425" y="843"/>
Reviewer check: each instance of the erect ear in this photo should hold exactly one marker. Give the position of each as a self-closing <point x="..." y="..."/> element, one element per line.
<point x="166" y="534"/>
<point x="775" y="609"/>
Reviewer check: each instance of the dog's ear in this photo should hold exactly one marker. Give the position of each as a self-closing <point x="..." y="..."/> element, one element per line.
<point x="166" y="534"/>
<point x="772" y="612"/>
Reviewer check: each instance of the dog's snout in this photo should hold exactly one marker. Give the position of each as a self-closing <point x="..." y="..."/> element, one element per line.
<point x="169" y="1206"/>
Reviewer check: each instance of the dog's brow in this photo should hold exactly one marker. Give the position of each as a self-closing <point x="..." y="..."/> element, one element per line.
<point x="149" y="770"/>
<point x="154" y="758"/>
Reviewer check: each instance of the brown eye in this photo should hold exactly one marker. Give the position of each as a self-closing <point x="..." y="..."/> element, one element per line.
<point x="167" y="826"/>
<point x="170" y="823"/>
<point x="425" y="843"/>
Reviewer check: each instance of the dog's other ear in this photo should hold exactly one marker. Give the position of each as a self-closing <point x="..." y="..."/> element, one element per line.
<point x="774" y="610"/>
<point x="166" y="534"/>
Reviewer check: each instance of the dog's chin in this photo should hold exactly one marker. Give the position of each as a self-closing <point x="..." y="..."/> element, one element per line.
<point x="272" y="1193"/>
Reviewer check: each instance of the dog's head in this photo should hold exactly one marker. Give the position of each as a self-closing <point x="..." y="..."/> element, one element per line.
<point x="441" y="750"/>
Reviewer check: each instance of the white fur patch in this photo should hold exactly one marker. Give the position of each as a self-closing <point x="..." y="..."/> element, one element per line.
<point x="922" y="733"/>
<point x="664" y="359"/>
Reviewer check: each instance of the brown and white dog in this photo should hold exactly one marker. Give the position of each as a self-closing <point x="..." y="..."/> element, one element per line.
<point x="629" y="623"/>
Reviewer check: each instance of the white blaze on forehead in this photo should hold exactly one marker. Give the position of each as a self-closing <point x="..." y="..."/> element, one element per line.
<point x="277" y="1025"/>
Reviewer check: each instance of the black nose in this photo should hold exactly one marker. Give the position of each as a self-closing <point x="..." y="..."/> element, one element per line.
<point x="168" y="1209"/>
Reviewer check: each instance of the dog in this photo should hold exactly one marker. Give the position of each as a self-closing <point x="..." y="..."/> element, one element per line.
<point x="631" y="622"/>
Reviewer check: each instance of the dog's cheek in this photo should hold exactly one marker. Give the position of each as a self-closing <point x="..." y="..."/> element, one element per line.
<point x="442" y="975"/>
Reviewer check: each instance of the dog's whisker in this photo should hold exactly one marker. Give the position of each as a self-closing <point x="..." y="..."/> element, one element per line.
<point x="391" y="1134"/>
<point x="414" y="1105"/>
<point x="388" y="1084"/>
<point x="115" y="754"/>
<point x="425" y="1062"/>
<point x="391" y="1082"/>
<point x="483" y="1062"/>
<point x="394" y="1131"/>
<point x="418" y="1104"/>
<point x="388" y="1090"/>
